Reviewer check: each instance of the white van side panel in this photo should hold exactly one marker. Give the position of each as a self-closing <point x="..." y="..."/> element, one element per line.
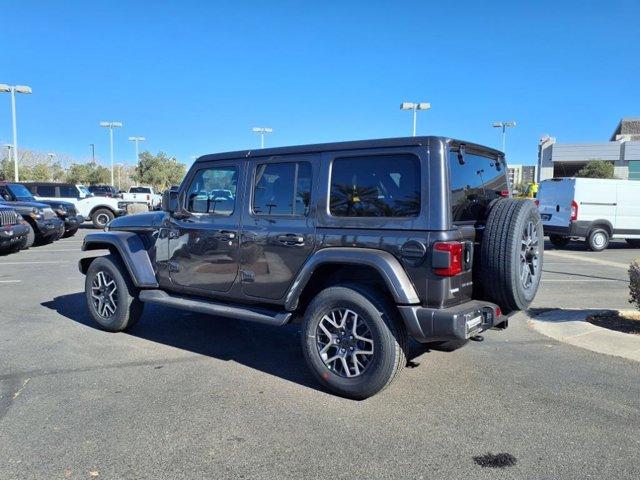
<point x="628" y="210"/>
<point x="596" y="200"/>
<point x="554" y="201"/>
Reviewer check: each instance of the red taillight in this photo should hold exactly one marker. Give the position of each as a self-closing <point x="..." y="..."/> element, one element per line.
<point x="574" y="210"/>
<point x="498" y="312"/>
<point x="504" y="193"/>
<point x="148" y="197"/>
<point x="537" y="202"/>
<point x="455" y="250"/>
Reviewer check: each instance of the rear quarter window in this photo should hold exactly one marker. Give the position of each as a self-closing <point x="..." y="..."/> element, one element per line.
<point x="375" y="186"/>
<point x="474" y="185"/>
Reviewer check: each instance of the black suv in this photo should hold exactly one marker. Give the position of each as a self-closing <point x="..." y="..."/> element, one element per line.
<point x="42" y="222"/>
<point x="17" y="194"/>
<point x="13" y="230"/>
<point x="366" y="243"/>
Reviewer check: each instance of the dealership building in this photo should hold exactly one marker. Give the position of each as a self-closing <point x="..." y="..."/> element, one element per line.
<point x="566" y="159"/>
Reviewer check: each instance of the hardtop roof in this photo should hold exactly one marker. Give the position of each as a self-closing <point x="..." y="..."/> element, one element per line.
<point x="351" y="145"/>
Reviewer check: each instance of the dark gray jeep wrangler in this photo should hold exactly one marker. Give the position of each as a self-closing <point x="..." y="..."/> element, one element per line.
<point x="366" y="243"/>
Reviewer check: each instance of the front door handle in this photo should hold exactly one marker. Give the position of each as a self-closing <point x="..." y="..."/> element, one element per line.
<point x="291" y="239"/>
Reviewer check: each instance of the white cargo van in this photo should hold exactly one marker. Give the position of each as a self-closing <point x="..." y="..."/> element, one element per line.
<point x="590" y="208"/>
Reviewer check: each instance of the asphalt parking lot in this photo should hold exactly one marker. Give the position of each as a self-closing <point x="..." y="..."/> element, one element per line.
<point x="187" y="396"/>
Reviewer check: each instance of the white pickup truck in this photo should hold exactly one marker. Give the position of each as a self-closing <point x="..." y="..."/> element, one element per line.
<point x="143" y="194"/>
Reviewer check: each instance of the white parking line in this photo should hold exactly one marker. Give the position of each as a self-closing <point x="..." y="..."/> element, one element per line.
<point x="10" y="281"/>
<point x="571" y="280"/>
<point x="40" y="250"/>
<point x="28" y="263"/>
<point x="588" y="259"/>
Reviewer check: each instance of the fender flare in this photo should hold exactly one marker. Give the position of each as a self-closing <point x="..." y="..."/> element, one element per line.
<point x="601" y="223"/>
<point x="132" y="251"/>
<point x="388" y="266"/>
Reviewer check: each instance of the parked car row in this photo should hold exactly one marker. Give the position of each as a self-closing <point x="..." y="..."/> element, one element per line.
<point x="135" y="194"/>
<point x="42" y="212"/>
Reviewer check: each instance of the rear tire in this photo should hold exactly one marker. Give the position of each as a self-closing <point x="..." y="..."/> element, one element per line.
<point x="559" y="241"/>
<point x="633" y="242"/>
<point x="112" y="299"/>
<point x="511" y="254"/>
<point x="345" y="319"/>
<point x="598" y="239"/>
<point x="101" y="217"/>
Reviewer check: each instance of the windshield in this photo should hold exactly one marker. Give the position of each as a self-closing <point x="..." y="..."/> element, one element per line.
<point x="84" y="190"/>
<point x="21" y="193"/>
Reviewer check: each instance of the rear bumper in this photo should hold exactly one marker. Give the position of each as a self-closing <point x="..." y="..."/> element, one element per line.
<point x="454" y="323"/>
<point x="574" y="229"/>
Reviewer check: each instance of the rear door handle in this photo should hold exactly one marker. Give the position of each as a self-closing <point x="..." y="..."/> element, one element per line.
<point x="291" y="239"/>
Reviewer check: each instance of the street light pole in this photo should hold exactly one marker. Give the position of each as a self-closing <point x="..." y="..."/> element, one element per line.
<point x="137" y="140"/>
<point x="111" y="126"/>
<point x="504" y="126"/>
<point x="13" y="89"/>
<point x="93" y="152"/>
<point x="415" y="107"/>
<point x="262" y="131"/>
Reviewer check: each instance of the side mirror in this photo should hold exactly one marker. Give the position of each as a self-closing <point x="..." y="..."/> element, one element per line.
<point x="170" y="201"/>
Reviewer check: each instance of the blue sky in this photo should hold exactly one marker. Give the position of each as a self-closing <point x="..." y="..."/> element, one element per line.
<point x="194" y="77"/>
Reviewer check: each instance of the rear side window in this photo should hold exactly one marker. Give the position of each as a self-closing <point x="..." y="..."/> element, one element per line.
<point x="282" y="188"/>
<point x="139" y="190"/>
<point x="375" y="186"/>
<point x="67" y="191"/>
<point x="474" y="185"/>
<point x="46" y="191"/>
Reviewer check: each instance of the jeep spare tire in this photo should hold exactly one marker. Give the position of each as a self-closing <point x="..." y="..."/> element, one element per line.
<point x="511" y="254"/>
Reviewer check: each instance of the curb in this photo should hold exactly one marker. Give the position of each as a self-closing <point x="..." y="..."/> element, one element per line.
<point x="570" y="326"/>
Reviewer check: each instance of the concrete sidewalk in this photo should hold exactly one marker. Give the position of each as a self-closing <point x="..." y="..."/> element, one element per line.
<point x="570" y="326"/>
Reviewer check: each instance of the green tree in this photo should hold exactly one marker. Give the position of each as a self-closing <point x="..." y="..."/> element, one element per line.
<point x="596" y="169"/>
<point x="160" y="171"/>
<point x="89" y="174"/>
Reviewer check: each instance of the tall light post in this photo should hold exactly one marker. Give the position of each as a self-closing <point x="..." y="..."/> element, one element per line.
<point x="13" y="89"/>
<point x="111" y="126"/>
<point x="262" y="131"/>
<point x="50" y="157"/>
<point x="93" y="152"/>
<point x="415" y="107"/>
<point x="504" y="126"/>
<point x="137" y="140"/>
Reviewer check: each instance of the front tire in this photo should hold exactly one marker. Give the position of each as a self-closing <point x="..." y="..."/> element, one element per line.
<point x="101" y="217"/>
<point x="559" y="241"/>
<point x="112" y="298"/>
<point x="70" y="233"/>
<point x="598" y="239"/>
<point x="353" y="341"/>
<point x="31" y="237"/>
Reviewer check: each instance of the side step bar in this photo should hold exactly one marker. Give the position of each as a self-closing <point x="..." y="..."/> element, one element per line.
<point x="208" y="307"/>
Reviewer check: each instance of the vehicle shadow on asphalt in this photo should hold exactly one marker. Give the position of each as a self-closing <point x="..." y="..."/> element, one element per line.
<point x="273" y="350"/>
